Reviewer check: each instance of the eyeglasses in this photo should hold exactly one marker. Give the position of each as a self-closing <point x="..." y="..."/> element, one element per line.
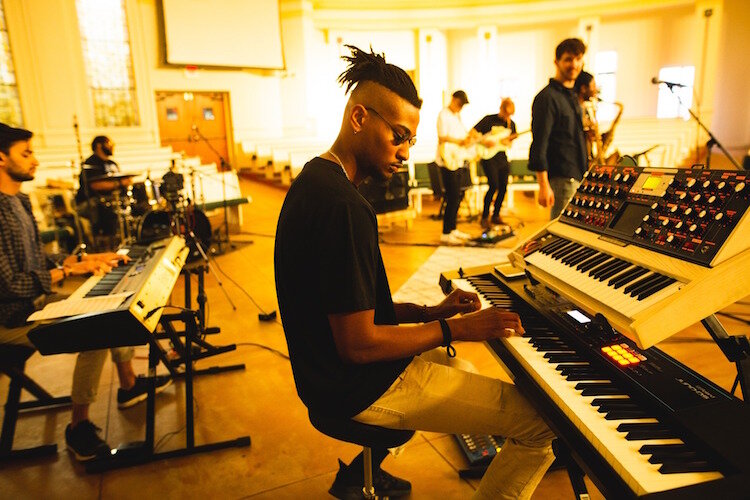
<point x="398" y="137"/>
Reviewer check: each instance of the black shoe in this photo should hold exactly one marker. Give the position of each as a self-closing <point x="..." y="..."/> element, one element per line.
<point x="84" y="442"/>
<point x="348" y="484"/>
<point x="139" y="392"/>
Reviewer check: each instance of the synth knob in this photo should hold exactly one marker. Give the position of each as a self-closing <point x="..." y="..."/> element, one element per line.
<point x="598" y="204"/>
<point x="646" y="218"/>
<point x="739" y="187"/>
<point x="606" y="206"/>
<point x="688" y="211"/>
<point x="608" y="191"/>
<point x="616" y="177"/>
<point x="690" y="182"/>
<point x="638" y="230"/>
<point x="670" y="238"/>
<point x="696" y="197"/>
<point x="575" y="214"/>
<point x="721" y="185"/>
<point x="706" y="184"/>
<point x="682" y="196"/>
<point x="678" y="225"/>
<point x="585" y="174"/>
<point x="654" y="206"/>
<point x="625" y="178"/>
<point x="673" y="208"/>
<point x="712" y="199"/>
<point x="568" y="212"/>
<point x="719" y="216"/>
<point x="702" y="214"/>
<point x="601" y="188"/>
<point x="591" y="203"/>
<point x="665" y="222"/>
<point x="692" y="228"/>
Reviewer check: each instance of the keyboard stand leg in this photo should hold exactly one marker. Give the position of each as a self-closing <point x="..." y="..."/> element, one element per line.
<point x="143" y="451"/>
<point x="575" y="473"/>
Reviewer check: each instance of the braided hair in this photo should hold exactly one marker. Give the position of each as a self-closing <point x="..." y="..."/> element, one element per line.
<point x="369" y="66"/>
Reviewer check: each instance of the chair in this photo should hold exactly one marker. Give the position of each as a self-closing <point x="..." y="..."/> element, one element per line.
<point x="12" y="362"/>
<point x="365" y="435"/>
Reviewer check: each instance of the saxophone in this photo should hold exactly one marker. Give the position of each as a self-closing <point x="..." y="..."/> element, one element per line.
<point x="591" y="131"/>
<point x="607" y="137"/>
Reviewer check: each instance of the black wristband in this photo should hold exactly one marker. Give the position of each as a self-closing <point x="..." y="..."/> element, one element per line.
<point x="447" y="338"/>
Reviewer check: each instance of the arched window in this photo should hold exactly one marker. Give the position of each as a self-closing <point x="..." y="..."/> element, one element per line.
<point x="10" y="105"/>
<point x="109" y="67"/>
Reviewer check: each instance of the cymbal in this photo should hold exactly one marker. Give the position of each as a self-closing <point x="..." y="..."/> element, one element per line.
<point x="112" y="176"/>
<point x="110" y="182"/>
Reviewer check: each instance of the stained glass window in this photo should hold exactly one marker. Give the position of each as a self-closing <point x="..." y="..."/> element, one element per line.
<point x="109" y="66"/>
<point x="10" y="104"/>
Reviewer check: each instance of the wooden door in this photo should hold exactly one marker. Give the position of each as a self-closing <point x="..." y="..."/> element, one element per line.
<point x="196" y="123"/>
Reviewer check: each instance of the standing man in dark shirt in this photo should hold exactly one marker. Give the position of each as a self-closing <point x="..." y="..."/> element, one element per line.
<point x="26" y="278"/>
<point x="496" y="168"/>
<point x="558" y="147"/>
<point x="351" y="354"/>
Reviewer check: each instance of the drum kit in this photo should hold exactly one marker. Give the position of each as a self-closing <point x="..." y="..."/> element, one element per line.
<point x="131" y="208"/>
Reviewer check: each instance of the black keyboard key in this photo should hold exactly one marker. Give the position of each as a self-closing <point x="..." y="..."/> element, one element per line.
<point x="648" y="449"/>
<point x="635" y="285"/>
<point x="642" y="426"/>
<point x="582" y="257"/>
<point x="647" y="435"/>
<point x="601" y="391"/>
<point x="627" y="277"/>
<point x="601" y="401"/>
<point x="646" y="284"/>
<point x="626" y="414"/>
<point x="688" y="456"/>
<point x="594" y="271"/>
<point x="584" y="376"/>
<point x="599" y="271"/>
<point x="573" y="256"/>
<point x="698" y="466"/>
<point x="662" y="284"/>
<point x="595" y="261"/>
<point x="555" y="358"/>
<point x="614" y="271"/>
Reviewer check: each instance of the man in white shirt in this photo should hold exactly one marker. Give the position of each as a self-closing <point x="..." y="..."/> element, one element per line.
<point x="451" y="130"/>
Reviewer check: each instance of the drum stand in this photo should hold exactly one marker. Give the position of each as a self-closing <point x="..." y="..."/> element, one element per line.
<point x="190" y="238"/>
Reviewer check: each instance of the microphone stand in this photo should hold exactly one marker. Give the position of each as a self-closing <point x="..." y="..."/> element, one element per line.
<point x="224" y="164"/>
<point x="713" y="141"/>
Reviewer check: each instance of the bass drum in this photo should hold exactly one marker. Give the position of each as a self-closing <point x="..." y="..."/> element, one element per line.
<point x="160" y="224"/>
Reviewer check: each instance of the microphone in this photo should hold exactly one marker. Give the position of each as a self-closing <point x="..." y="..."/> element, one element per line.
<point x="656" y="81"/>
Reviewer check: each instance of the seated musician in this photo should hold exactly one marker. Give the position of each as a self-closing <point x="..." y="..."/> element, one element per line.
<point x="99" y="164"/>
<point x="352" y="354"/>
<point x="26" y="278"/>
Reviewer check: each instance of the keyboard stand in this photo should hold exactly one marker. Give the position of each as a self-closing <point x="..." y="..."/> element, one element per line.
<point x="737" y="350"/>
<point x="141" y="452"/>
<point x="203" y="349"/>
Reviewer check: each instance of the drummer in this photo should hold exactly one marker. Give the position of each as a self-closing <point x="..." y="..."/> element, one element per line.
<point x="99" y="164"/>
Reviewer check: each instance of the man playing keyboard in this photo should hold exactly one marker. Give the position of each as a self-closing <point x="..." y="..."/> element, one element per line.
<point x="352" y="355"/>
<point x="26" y="278"/>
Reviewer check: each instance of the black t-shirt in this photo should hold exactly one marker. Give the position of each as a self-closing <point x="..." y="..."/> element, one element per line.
<point x="485" y="124"/>
<point x="94" y="167"/>
<point x="327" y="260"/>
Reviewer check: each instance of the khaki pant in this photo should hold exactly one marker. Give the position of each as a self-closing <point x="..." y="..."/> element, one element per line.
<point x="431" y="396"/>
<point x="89" y="365"/>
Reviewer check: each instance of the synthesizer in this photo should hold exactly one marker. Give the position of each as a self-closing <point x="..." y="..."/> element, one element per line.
<point x="149" y="277"/>
<point x="637" y="421"/>
<point x="653" y="250"/>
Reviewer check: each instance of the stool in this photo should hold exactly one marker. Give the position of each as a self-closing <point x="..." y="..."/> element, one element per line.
<point x="365" y="435"/>
<point x="12" y="362"/>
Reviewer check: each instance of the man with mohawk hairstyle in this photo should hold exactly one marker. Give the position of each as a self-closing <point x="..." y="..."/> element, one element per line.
<point x="352" y="354"/>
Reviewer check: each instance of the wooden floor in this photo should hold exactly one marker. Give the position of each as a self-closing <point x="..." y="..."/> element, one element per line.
<point x="288" y="458"/>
